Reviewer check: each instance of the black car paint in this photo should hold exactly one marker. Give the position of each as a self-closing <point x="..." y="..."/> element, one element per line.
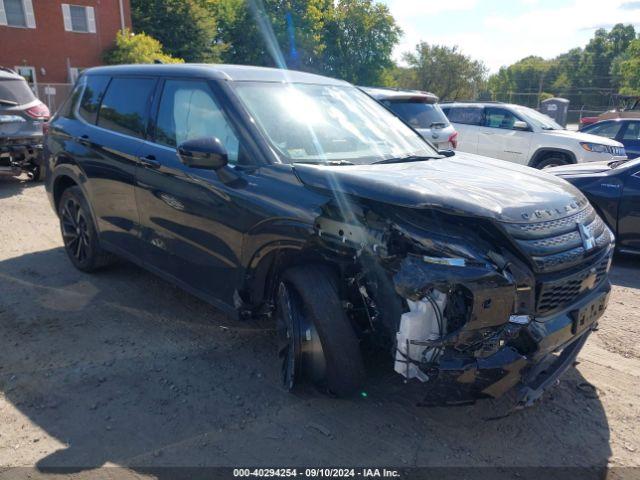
<point x="225" y="235"/>
<point x="614" y="192"/>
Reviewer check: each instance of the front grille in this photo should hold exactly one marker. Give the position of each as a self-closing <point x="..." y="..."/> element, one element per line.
<point x="556" y="294"/>
<point x="617" y="151"/>
<point x="557" y="245"/>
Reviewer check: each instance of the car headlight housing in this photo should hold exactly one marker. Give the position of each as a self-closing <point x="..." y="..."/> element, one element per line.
<point x="594" y="147"/>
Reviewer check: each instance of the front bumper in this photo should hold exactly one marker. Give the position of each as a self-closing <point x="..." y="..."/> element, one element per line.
<point x="553" y="345"/>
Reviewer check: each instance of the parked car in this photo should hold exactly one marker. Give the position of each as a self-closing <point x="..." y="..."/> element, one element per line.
<point x="22" y="116"/>
<point x="625" y="131"/>
<point x="286" y="194"/>
<point x="522" y="135"/>
<point x="613" y="188"/>
<point x="421" y="111"/>
<point x="629" y="107"/>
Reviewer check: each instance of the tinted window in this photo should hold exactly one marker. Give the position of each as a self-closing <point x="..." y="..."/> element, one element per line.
<point x="124" y="107"/>
<point x="467" y="115"/>
<point x="607" y="129"/>
<point x="632" y="132"/>
<point x="499" y="118"/>
<point x="15" y="92"/>
<point x="187" y="111"/>
<point x="418" y="115"/>
<point x="95" y="86"/>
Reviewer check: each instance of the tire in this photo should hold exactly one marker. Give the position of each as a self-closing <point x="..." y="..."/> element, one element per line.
<point x="316" y="339"/>
<point x="551" y="161"/>
<point x="79" y="233"/>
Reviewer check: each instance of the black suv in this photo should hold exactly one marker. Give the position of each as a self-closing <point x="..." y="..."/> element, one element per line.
<point x="285" y="194"/>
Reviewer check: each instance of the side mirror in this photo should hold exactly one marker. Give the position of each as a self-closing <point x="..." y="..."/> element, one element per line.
<point x="520" y="125"/>
<point x="206" y="153"/>
<point x="447" y="153"/>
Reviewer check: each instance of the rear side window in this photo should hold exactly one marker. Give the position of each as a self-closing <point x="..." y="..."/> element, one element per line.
<point x="15" y="92"/>
<point x="124" y="107"/>
<point x="95" y="85"/>
<point x="418" y="115"/>
<point x="466" y="115"/>
<point x="499" y="118"/>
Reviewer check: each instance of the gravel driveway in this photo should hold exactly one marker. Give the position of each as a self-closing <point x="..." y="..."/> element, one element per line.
<point x="121" y="368"/>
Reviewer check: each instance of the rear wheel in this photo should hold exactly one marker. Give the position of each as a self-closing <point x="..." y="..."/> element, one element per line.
<point x="551" y="161"/>
<point x="79" y="233"/>
<point x="316" y="341"/>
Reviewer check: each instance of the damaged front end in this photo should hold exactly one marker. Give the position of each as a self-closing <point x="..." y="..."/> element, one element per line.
<point x="458" y="301"/>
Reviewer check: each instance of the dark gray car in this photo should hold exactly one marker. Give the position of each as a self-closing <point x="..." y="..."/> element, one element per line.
<point x="22" y="117"/>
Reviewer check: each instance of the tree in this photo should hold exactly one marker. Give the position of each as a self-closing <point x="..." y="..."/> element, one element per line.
<point x="140" y="48"/>
<point x="444" y="71"/>
<point x="185" y="27"/>
<point x="360" y="36"/>
<point x="629" y="69"/>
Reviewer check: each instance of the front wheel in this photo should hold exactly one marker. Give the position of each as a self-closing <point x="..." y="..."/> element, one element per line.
<point x="79" y="234"/>
<point x="316" y="341"/>
<point x="551" y="161"/>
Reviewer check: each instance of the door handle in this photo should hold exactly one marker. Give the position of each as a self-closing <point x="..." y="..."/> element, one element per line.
<point x="149" y="161"/>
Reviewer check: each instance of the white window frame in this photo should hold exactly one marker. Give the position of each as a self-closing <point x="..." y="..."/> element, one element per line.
<point x="89" y="13"/>
<point x="29" y="16"/>
<point x="32" y="69"/>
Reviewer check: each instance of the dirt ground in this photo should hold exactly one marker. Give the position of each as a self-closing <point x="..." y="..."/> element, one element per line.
<point x="122" y="368"/>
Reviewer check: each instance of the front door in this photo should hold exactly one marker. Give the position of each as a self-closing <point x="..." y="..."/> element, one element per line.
<point x="629" y="212"/>
<point x="498" y="139"/>
<point x="193" y="222"/>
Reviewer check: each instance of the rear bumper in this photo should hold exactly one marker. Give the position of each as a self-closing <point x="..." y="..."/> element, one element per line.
<point x="554" y="343"/>
<point x="17" y="156"/>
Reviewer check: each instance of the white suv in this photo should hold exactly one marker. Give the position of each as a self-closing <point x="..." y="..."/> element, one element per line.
<point x="523" y="135"/>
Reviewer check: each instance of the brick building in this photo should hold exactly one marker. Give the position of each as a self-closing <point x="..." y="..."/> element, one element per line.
<point x="50" y="41"/>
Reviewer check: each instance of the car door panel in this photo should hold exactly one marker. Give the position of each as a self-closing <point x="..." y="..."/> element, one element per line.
<point x="629" y="213"/>
<point x="498" y="139"/>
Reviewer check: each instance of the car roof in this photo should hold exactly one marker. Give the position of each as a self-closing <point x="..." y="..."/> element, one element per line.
<point x="8" y="74"/>
<point x="381" y="93"/>
<point x="236" y="73"/>
<point x="458" y="104"/>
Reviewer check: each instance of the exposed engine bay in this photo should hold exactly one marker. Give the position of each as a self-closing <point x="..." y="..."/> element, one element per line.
<point x="454" y="299"/>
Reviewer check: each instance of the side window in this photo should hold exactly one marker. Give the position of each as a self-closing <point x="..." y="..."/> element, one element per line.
<point x="466" y="115"/>
<point x="124" y="107"/>
<point x="607" y="129"/>
<point x="499" y="118"/>
<point x="95" y="86"/>
<point x="632" y="132"/>
<point x="188" y="110"/>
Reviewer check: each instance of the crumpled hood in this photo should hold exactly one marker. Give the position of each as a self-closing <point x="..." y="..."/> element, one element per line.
<point x="464" y="184"/>
<point x="583" y="137"/>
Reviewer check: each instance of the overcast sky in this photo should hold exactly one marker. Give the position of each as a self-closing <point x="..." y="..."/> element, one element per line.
<point x="500" y="32"/>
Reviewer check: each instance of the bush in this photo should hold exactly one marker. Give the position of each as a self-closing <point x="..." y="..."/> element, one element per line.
<point x="137" y="48"/>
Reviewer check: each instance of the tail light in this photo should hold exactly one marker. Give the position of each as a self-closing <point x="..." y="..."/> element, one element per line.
<point x="38" y="112"/>
<point x="453" y="140"/>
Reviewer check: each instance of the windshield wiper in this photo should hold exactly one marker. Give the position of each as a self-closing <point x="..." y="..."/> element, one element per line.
<point x="8" y="102"/>
<point x="408" y="158"/>
<point x="616" y="163"/>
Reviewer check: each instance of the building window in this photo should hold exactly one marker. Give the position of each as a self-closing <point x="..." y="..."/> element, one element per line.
<point x="78" y="18"/>
<point x="17" y="13"/>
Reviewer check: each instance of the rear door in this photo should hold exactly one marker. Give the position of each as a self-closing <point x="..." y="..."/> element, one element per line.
<point x="498" y="139"/>
<point x="467" y="121"/>
<point x="109" y="154"/>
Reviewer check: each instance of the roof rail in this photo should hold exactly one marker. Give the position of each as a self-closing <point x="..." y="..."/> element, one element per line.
<point x="472" y="101"/>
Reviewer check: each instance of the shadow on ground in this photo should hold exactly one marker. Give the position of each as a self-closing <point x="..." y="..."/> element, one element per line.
<point x="122" y="367"/>
<point x="10" y="186"/>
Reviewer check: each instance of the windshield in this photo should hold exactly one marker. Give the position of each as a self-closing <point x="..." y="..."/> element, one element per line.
<point x="538" y="119"/>
<point x="328" y="123"/>
<point x="418" y="115"/>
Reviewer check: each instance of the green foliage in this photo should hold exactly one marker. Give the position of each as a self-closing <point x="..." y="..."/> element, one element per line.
<point x="628" y="67"/>
<point x="587" y="76"/>
<point x="444" y="71"/>
<point x="138" y="48"/>
<point x="185" y="27"/>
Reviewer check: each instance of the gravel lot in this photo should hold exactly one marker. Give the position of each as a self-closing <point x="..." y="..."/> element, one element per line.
<point x="121" y="368"/>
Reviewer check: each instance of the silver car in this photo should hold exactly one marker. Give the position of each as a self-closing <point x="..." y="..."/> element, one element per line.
<point x="421" y="111"/>
<point x="22" y="117"/>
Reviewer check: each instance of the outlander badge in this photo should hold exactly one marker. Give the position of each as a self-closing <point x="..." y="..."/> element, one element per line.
<point x="588" y="240"/>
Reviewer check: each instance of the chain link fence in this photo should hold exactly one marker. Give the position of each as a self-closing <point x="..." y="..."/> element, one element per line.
<point x="52" y="94"/>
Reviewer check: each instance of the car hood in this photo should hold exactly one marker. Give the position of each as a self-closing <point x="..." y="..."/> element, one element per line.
<point x="464" y="184"/>
<point x="583" y="137"/>
<point x="591" y="168"/>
